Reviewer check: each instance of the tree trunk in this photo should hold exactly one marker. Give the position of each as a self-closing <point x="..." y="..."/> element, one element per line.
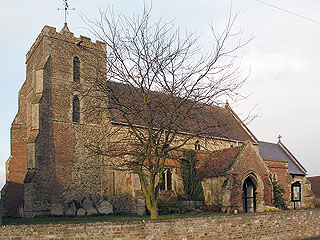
<point x="154" y="214"/>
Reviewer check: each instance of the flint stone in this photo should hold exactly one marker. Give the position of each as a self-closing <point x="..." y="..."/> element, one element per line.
<point x="81" y="212"/>
<point x="57" y="209"/>
<point x="105" y="207"/>
<point x="92" y="211"/>
<point x="87" y="203"/>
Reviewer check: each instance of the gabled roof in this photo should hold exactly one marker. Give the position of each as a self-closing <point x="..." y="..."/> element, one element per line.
<point x="217" y="163"/>
<point x="277" y="151"/>
<point x="315" y="185"/>
<point x="224" y="123"/>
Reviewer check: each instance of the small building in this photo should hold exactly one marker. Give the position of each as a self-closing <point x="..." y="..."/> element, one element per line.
<point x="315" y="185"/>
<point x="289" y="172"/>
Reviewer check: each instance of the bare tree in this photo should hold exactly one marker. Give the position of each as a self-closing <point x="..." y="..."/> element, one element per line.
<point x="159" y="89"/>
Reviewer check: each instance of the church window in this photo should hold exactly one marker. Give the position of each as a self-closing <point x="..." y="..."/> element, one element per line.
<point x="163" y="184"/>
<point x="76" y="69"/>
<point x="197" y="145"/>
<point x="166" y="180"/>
<point x="169" y="180"/>
<point x="75" y="109"/>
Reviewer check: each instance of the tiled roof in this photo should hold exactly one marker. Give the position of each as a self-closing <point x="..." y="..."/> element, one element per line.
<point x="216" y="163"/>
<point x="315" y="185"/>
<point x="275" y="151"/>
<point x="205" y="120"/>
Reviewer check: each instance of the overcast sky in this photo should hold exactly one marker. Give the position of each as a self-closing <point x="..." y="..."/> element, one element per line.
<point x="283" y="59"/>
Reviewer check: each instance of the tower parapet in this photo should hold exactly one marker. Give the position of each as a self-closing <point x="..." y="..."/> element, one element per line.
<point x="65" y="36"/>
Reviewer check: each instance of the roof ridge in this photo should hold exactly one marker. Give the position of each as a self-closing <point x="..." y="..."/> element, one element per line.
<point x="227" y="106"/>
<point x="226" y="149"/>
<point x="238" y="154"/>
<point x="292" y="157"/>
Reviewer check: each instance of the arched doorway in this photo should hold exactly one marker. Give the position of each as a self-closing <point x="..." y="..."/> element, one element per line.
<point x="249" y="195"/>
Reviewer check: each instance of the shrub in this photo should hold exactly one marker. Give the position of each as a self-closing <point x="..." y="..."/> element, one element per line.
<point x="278" y="190"/>
<point x="172" y="207"/>
<point x="316" y="202"/>
<point x="191" y="182"/>
<point x="123" y="205"/>
<point x="271" y="209"/>
<point x="211" y="208"/>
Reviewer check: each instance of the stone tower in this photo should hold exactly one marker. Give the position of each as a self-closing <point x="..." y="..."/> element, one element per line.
<point x="43" y="134"/>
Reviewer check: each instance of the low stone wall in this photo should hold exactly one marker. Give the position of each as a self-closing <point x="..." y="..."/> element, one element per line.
<point x="276" y="225"/>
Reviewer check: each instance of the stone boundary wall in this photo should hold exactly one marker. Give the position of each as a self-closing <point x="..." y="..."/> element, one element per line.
<point x="299" y="224"/>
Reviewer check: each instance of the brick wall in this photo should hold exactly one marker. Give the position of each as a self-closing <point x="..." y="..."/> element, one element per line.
<point x="276" y="225"/>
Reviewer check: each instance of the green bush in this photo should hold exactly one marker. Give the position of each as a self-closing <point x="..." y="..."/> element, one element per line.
<point x="211" y="208"/>
<point x="316" y="202"/>
<point x="172" y="207"/>
<point x="271" y="209"/>
<point x="191" y="182"/>
<point x="278" y="190"/>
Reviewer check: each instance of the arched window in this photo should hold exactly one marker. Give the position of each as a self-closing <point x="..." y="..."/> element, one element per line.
<point x="75" y="109"/>
<point x="166" y="180"/>
<point x="163" y="184"/>
<point x="76" y="69"/>
<point x="169" y="180"/>
<point x="197" y="145"/>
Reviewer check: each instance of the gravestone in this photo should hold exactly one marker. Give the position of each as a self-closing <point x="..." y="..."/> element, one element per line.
<point x="105" y="207"/>
<point x="57" y="209"/>
<point x="81" y="212"/>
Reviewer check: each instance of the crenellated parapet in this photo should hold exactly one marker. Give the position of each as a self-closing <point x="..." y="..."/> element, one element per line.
<point x="65" y="36"/>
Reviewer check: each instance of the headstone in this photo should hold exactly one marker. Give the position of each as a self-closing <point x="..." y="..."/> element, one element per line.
<point x="87" y="203"/>
<point x="105" y="207"/>
<point x="57" y="209"/>
<point x="92" y="211"/>
<point x="141" y="207"/>
<point x="81" y="212"/>
<point x="72" y="209"/>
<point x="70" y="212"/>
<point x="73" y="206"/>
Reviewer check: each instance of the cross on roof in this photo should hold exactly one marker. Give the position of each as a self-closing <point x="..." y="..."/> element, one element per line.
<point x="279" y="138"/>
<point x="66" y="9"/>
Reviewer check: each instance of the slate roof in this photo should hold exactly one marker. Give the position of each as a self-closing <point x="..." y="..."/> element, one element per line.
<point x="278" y="151"/>
<point x="315" y="185"/>
<point x="222" y="121"/>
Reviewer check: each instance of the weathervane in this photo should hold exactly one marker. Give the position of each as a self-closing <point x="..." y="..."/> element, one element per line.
<point x="66" y="9"/>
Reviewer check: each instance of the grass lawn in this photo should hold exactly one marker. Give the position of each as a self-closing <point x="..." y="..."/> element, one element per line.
<point x="39" y="220"/>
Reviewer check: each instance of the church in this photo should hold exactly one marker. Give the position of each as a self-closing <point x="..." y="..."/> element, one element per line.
<point x="50" y="165"/>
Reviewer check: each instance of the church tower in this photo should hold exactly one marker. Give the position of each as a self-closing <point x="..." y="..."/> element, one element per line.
<point x="43" y="133"/>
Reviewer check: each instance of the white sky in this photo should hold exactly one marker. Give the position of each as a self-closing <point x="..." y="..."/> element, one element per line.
<point x="283" y="59"/>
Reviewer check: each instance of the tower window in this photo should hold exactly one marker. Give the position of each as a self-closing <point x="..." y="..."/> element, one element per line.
<point x="75" y="109"/>
<point x="76" y="69"/>
<point x="197" y="145"/>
